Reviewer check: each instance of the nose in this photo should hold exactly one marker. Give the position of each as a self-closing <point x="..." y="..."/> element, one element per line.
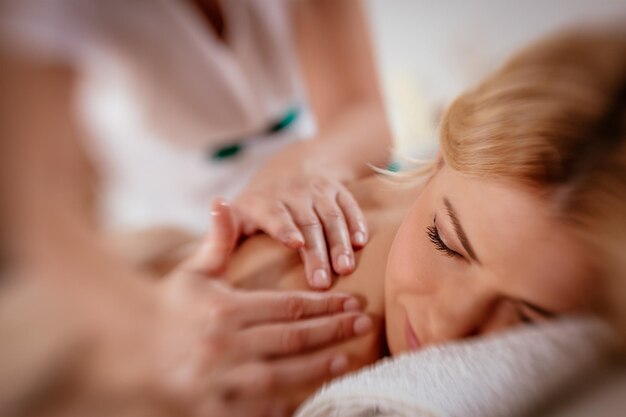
<point x="461" y="311"/>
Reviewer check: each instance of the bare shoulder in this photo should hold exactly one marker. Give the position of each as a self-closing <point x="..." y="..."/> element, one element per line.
<point x="261" y="263"/>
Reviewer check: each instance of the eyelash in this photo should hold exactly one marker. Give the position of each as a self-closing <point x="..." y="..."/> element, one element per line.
<point x="433" y="236"/>
<point x="533" y="317"/>
<point x="524" y="317"/>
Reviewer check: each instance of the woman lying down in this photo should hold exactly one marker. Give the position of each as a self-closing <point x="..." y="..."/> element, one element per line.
<point x="493" y="234"/>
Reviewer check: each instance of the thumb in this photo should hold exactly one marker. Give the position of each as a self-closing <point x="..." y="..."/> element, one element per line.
<point x="216" y="247"/>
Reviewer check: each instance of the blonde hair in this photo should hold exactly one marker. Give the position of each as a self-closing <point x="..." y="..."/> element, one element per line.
<point x="535" y="120"/>
<point x="553" y="118"/>
<point x="603" y="210"/>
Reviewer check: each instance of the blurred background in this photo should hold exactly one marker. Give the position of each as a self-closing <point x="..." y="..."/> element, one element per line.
<point x="426" y="53"/>
<point x="430" y="51"/>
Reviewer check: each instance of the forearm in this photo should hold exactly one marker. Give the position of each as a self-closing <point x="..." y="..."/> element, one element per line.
<point x="47" y="178"/>
<point x="346" y="147"/>
<point x="54" y="338"/>
<point x="69" y="318"/>
<point x="343" y="150"/>
<point x="48" y="233"/>
<point x="38" y="339"/>
<point x="337" y="61"/>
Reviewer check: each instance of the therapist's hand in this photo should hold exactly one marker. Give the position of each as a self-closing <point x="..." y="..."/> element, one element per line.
<point x="229" y="352"/>
<point x="313" y="213"/>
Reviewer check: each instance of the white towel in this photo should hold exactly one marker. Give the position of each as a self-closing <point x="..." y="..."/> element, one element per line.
<point x="506" y="374"/>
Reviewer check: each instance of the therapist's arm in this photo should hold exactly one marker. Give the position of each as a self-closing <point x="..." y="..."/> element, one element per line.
<point x="299" y="197"/>
<point x="190" y="344"/>
<point x="337" y="59"/>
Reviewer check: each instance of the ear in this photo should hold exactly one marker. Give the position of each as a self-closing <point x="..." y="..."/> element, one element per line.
<point x="212" y="255"/>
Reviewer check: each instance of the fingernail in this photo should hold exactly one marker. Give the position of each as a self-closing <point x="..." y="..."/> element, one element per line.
<point x="320" y="279"/>
<point x="294" y="238"/>
<point x="362" y="325"/>
<point x="338" y="365"/>
<point x="352" y="304"/>
<point x="344" y="263"/>
<point x="359" y="238"/>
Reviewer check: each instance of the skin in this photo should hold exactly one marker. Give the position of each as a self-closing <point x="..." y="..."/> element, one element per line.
<point x="530" y="267"/>
<point x="188" y="344"/>
<point x="299" y="198"/>
<point x="527" y="266"/>
<point x="195" y="344"/>
<point x="260" y="262"/>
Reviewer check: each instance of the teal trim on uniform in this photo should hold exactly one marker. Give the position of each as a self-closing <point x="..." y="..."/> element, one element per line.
<point x="227" y="151"/>
<point x="393" y="167"/>
<point x="288" y="119"/>
<point x="233" y="149"/>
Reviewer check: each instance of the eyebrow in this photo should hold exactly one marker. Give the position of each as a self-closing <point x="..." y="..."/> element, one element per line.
<point x="459" y="230"/>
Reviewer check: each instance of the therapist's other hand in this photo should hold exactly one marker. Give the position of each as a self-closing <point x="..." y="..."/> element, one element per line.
<point x="314" y="214"/>
<point x="229" y="352"/>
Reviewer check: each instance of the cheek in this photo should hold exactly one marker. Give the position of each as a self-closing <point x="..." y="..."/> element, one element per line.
<point x="410" y="280"/>
<point x="412" y="263"/>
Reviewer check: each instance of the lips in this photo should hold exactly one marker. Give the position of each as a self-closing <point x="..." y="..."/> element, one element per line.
<point x="411" y="338"/>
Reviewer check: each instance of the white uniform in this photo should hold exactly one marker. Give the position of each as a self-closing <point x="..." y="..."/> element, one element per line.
<point x="159" y="93"/>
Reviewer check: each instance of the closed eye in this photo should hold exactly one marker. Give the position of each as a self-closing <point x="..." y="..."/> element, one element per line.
<point x="433" y="235"/>
<point x="531" y="313"/>
<point x="525" y="318"/>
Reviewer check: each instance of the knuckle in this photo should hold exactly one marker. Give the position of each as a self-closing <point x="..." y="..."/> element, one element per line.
<point x="293" y="341"/>
<point x="220" y="310"/>
<point x="346" y="199"/>
<point x="344" y="329"/>
<point x="309" y="222"/>
<point x="353" y="208"/>
<point x="266" y="379"/>
<point x="295" y="188"/>
<point x="340" y="188"/>
<point x="215" y="346"/>
<point x="321" y="186"/>
<point x="318" y="258"/>
<point x="328" y="305"/>
<point x="356" y="214"/>
<point x="341" y="247"/>
<point x="294" y="307"/>
<point x="332" y="213"/>
<point x="276" y="209"/>
<point x="316" y="184"/>
<point x="285" y="231"/>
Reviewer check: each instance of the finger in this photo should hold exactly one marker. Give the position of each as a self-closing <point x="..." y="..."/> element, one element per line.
<point x="274" y="218"/>
<point x="337" y="235"/>
<point x="212" y="255"/>
<point x="314" y="254"/>
<point x="355" y="218"/>
<point x="267" y="378"/>
<point x="283" y="339"/>
<point x="266" y="306"/>
<point x="247" y="225"/>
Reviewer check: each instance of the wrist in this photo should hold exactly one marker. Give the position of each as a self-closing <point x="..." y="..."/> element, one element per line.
<point x="318" y="158"/>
